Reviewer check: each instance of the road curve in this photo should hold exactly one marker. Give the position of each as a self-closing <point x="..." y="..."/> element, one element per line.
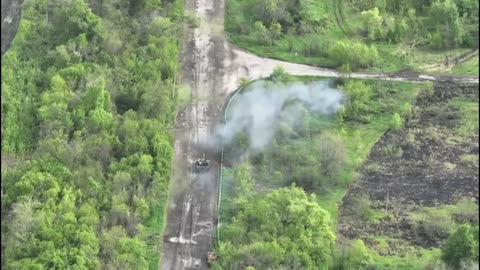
<point x="213" y="67"/>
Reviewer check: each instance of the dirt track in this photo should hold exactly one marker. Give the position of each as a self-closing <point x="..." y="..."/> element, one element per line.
<point x="11" y="10"/>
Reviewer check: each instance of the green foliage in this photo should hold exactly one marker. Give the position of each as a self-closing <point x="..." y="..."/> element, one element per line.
<point x="373" y="23"/>
<point x="434" y="223"/>
<point x="461" y="246"/>
<point x="91" y="104"/>
<point x="396" y="122"/>
<point x="279" y="75"/>
<point x="355" y="54"/>
<point x="468" y="107"/>
<point x="320" y="157"/>
<point x="470" y="67"/>
<point x="358" y="98"/>
<point x="449" y="30"/>
<point x="403" y="32"/>
<point x="355" y="256"/>
<point x="285" y="228"/>
<point x="262" y="34"/>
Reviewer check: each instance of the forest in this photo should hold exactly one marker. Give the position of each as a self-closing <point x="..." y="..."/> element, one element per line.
<point x="88" y="102"/>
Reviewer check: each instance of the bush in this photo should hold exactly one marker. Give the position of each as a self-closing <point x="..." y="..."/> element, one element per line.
<point x="279" y="75"/>
<point x="356" y="54"/>
<point x="466" y="211"/>
<point x="461" y="246"/>
<point x="358" y="97"/>
<point x="396" y="122"/>
<point x="262" y="34"/>
<point x="355" y="256"/>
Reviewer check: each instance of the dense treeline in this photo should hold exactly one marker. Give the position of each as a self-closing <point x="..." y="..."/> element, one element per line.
<point x="87" y="107"/>
<point x="336" y="33"/>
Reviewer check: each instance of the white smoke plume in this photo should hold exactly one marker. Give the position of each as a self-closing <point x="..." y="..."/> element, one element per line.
<point x="264" y="107"/>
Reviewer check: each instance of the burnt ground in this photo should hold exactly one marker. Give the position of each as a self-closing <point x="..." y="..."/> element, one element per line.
<point x="11" y="13"/>
<point x="419" y="166"/>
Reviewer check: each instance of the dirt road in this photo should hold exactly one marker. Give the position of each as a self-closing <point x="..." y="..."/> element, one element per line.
<point x="11" y="10"/>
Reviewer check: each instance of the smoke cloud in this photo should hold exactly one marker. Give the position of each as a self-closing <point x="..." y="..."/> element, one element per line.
<point x="261" y="110"/>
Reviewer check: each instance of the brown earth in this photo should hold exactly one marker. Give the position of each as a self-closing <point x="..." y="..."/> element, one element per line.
<point x="428" y="171"/>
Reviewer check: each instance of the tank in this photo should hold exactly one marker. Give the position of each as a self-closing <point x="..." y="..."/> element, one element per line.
<point x="202" y="164"/>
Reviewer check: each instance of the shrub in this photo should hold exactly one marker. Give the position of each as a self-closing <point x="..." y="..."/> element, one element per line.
<point x="462" y="245"/>
<point x="396" y="122"/>
<point x="279" y="75"/>
<point x="262" y="34"/>
<point x="356" y="54"/>
<point x="466" y="211"/>
<point x="358" y="97"/>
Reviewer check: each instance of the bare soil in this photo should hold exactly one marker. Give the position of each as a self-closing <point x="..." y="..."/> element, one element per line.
<point x="428" y="171"/>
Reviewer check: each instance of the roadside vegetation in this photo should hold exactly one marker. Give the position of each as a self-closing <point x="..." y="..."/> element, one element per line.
<point x="87" y="109"/>
<point x="383" y="35"/>
<point x="470" y="67"/>
<point x="279" y="207"/>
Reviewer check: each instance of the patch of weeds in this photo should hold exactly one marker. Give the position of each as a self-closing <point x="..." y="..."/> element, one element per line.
<point x="466" y="211"/>
<point x="373" y="167"/>
<point x="410" y="137"/>
<point x="469" y="111"/>
<point x="391" y="150"/>
<point x="449" y="166"/>
<point x="183" y="95"/>
<point x="469" y="67"/>
<point x="433" y="222"/>
<point x="433" y="133"/>
<point x="470" y="160"/>
<point x="453" y="140"/>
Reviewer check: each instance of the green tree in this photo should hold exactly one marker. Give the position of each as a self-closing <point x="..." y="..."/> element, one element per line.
<point x="462" y="245"/>
<point x="286" y="223"/>
<point x="373" y="23"/>
<point x="444" y="15"/>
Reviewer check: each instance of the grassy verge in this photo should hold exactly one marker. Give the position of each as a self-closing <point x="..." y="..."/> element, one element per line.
<point x="469" y="67"/>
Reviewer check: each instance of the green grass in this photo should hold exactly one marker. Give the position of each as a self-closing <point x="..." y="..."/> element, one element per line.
<point x="357" y="138"/>
<point x="469" y="111"/>
<point x="279" y="50"/>
<point x="416" y="259"/>
<point x="469" y="67"/>
<point x="152" y="231"/>
<point x="392" y="56"/>
<point x="184" y="94"/>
